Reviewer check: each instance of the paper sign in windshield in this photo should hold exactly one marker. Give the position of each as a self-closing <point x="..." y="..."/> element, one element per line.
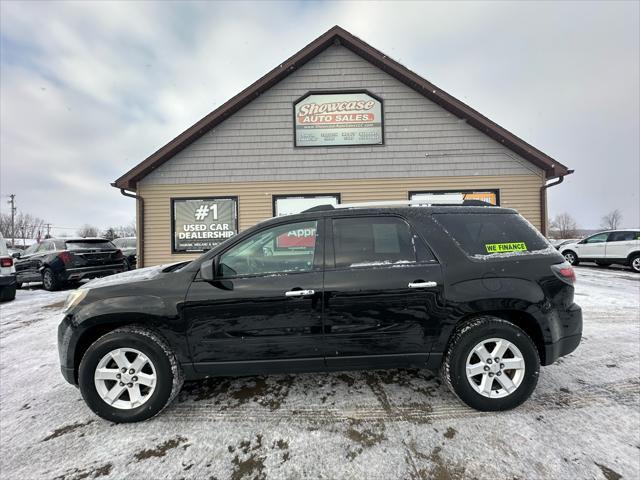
<point x="506" y="247"/>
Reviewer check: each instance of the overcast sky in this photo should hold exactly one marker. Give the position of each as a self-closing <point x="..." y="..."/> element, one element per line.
<point x="88" y="90"/>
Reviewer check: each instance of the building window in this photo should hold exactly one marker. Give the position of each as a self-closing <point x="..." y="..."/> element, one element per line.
<point x="457" y="196"/>
<point x="199" y="224"/>
<point x="292" y="204"/>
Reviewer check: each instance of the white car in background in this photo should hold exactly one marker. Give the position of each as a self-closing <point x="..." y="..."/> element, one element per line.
<point x="7" y="273"/>
<point x="621" y="247"/>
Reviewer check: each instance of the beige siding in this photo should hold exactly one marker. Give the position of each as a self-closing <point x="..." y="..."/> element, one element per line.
<point x="521" y="192"/>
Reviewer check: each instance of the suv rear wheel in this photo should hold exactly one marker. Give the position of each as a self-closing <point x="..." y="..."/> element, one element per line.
<point x="50" y="281"/>
<point x="634" y="263"/>
<point x="129" y="375"/>
<point x="491" y="364"/>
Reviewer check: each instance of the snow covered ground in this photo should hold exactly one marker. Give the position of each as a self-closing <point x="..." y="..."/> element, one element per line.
<point x="582" y="422"/>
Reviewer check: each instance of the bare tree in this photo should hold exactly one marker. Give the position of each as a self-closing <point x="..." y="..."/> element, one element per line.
<point x="611" y="221"/>
<point x="110" y="233"/>
<point x="564" y="225"/>
<point x="87" y="231"/>
<point x="126" y="230"/>
<point x="26" y="225"/>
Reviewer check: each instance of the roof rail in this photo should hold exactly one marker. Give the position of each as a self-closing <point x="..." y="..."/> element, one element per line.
<point x="398" y="203"/>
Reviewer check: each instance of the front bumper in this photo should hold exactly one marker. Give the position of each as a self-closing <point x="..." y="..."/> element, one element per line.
<point x="66" y="347"/>
<point x="567" y="333"/>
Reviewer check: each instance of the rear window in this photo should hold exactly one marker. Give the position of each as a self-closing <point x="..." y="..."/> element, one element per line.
<point x="90" y="244"/>
<point x="486" y="234"/>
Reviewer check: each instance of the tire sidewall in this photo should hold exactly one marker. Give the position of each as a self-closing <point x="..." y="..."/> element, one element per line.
<point x="48" y="273"/>
<point x="631" y="263"/>
<point x="152" y="350"/>
<point x="462" y="349"/>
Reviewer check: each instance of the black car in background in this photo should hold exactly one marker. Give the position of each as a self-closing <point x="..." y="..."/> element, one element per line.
<point x="55" y="262"/>
<point x="129" y="250"/>
<point x="475" y="292"/>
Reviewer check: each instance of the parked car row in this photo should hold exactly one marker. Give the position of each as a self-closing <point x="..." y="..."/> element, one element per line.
<point x="58" y="262"/>
<point x="621" y="247"/>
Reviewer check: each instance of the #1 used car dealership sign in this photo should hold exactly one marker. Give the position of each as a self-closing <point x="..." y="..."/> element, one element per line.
<point x="201" y="224"/>
<point x="328" y="119"/>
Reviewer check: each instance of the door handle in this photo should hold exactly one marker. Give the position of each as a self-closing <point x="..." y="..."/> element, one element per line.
<point x="299" y="293"/>
<point x="423" y="284"/>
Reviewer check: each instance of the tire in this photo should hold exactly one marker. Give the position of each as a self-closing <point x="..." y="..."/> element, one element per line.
<point x="603" y="264"/>
<point x="634" y="263"/>
<point x="161" y="364"/>
<point x="571" y="257"/>
<point x="461" y="349"/>
<point x="8" y="293"/>
<point x="50" y="280"/>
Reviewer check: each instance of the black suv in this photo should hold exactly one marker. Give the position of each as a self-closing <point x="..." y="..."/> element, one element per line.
<point x="56" y="262"/>
<point x="476" y="292"/>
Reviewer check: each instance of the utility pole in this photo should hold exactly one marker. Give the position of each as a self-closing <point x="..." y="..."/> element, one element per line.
<point x="48" y="230"/>
<point x="12" y="202"/>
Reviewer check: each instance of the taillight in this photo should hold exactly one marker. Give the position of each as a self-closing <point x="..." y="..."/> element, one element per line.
<point x="6" y="262"/>
<point x="565" y="272"/>
<point x="118" y="255"/>
<point x="65" y="257"/>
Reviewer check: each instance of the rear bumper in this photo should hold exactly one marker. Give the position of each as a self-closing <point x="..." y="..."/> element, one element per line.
<point x="567" y="327"/>
<point x="81" y="273"/>
<point x="8" y="280"/>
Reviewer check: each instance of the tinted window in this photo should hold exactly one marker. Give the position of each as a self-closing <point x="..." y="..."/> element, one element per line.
<point x="601" y="237"/>
<point x="623" y="236"/>
<point x="369" y="240"/>
<point x="285" y="248"/>
<point x="483" y="234"/>
<point x="87" y="244"/>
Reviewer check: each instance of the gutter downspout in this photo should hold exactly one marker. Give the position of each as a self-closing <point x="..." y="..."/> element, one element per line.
<point x="140" y="200"/>
<point x="543" y="201"/>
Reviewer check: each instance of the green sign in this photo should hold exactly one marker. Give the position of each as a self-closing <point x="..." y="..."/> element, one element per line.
<point x="506" y="247"/>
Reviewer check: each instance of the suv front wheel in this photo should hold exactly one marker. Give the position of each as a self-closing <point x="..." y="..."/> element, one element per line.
<point x="571" y="257"/>
<point x="491" y="364"/>
<point x="129" y="375"/>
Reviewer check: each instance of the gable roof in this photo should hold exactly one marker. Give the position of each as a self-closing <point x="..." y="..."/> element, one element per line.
<point x="551" y="167"/>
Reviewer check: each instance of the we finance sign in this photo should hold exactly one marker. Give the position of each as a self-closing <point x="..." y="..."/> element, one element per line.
<point x="338" y="119"/>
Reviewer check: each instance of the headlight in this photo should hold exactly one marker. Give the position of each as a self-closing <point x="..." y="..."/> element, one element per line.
<point x="74" y="298"/>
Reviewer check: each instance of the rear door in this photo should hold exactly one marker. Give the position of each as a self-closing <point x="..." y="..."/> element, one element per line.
<point x="620" y="244"/>
<point x="381" y="284"/>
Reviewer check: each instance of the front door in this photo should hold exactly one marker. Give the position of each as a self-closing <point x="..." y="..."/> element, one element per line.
<point x="264" y="311"/>
<point x="593" y="247"/>
<point x="381" y="287"/>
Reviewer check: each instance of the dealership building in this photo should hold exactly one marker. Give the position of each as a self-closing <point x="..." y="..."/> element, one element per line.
<point x="338" y="122"/>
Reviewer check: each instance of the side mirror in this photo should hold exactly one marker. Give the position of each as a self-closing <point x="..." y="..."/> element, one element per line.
<point x="207" y="270"/>
<point x="16" y="254"/>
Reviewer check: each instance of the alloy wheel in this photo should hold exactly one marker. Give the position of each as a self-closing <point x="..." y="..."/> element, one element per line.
<point x="125" y="378"/>
<point x="635" y="264"/>
<point x="495" y="368"/>
<point x="570" y="257"/>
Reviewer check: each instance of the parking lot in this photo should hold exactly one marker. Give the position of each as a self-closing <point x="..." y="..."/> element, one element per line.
<point x="583" y="420"/>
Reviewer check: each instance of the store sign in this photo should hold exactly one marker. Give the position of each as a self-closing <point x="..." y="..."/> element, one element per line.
<point x="201" y="224"/>
<point x="325" y="119"/>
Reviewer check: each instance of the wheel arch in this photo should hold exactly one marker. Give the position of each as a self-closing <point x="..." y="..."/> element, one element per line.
<point x="519" y="318"/>
<point x="93" y="333"/>
<point x="633" y="254"/>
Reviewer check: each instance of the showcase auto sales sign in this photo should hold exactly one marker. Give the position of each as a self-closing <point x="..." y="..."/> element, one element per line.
<point x="338" y="119"/>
